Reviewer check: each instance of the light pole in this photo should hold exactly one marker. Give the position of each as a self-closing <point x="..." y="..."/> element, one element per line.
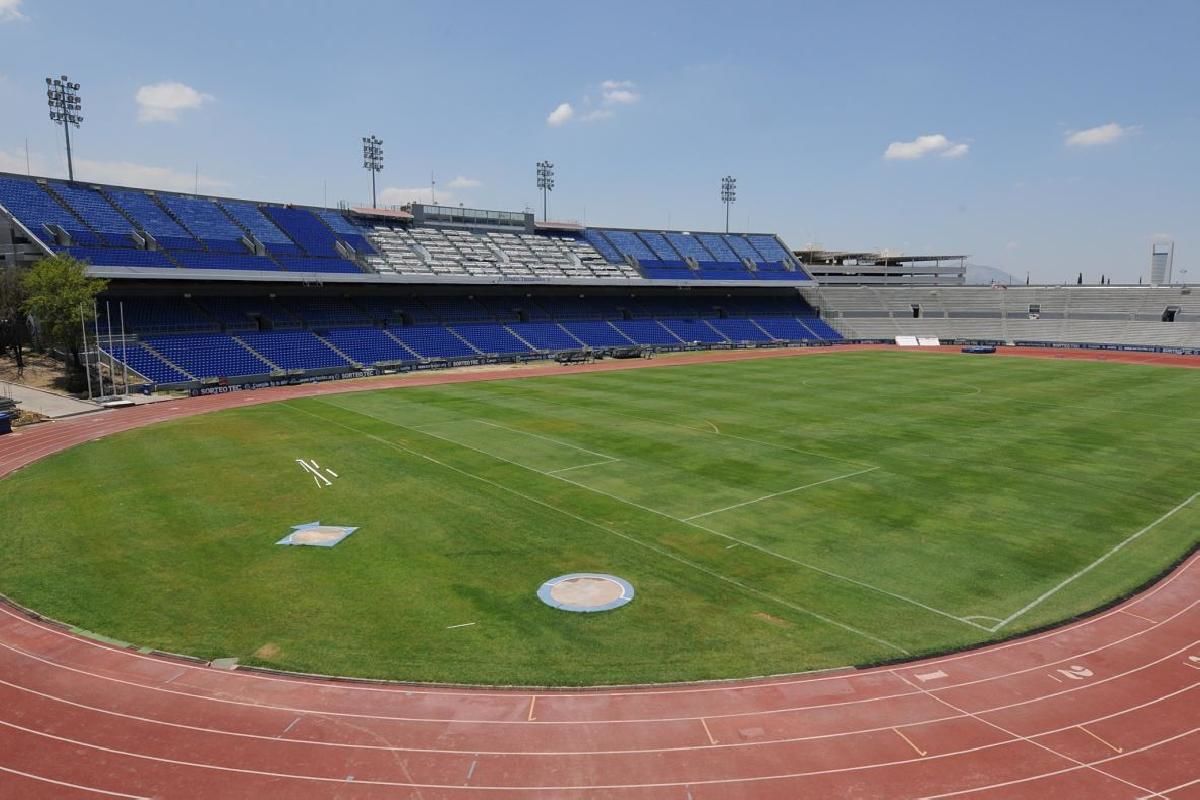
<point x="63" y="98"/>
<point x="372" y="160"/>
<point x="545" y="182"/>
<point x="728" y="196"/>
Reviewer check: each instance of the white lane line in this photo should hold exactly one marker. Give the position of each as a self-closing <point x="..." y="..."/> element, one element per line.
<point x="551" y="753"/>
<point x="779" y="494"/>
<point x="91" y="789"/>
<point x="1029" y="740"/>
<point x="599" y="787"/>
<point x="1046" y="594"/>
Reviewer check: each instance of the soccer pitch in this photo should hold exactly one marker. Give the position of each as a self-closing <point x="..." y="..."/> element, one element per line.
<point x="774" y="515"/>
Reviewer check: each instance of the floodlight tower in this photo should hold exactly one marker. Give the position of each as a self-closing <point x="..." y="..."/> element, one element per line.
<point x="65" y="104"/>
<point x="728" y="196"/>
<point x="372" y="160"/>
<point x="545" y="182"/>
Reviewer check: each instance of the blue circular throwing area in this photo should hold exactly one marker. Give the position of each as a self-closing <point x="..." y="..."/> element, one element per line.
<point x="586" y="592"/>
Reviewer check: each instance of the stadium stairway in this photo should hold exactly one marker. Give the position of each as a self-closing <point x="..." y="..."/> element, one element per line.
<point x="254" y="352"/>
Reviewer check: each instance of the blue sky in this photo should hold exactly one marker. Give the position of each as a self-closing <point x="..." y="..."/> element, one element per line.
<point x="1051" y="137"/>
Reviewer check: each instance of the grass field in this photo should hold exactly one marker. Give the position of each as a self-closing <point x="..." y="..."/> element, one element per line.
<point x="774" y="516"/>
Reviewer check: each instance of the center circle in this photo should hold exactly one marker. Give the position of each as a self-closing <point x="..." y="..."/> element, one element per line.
<point x="586" y="592"/>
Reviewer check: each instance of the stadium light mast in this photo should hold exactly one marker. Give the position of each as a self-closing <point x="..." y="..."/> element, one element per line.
<point x="373" y="160"/>
<point x="65" y="104"/>
<point x="545" y="182"/>
<point x="728" y="196"/>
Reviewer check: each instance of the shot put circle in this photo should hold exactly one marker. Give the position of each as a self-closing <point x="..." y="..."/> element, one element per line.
<point x="586" y="592"/>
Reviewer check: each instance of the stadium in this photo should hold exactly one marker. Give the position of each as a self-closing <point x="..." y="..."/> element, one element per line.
<point x="432" y="501"/>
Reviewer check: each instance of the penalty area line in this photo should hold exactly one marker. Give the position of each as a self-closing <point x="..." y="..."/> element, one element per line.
<point x="779" y="494"/>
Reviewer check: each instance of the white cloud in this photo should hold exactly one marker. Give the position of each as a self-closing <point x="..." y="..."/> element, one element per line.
<point x="561" y="115"/>
<point x="619" y="93"/>
<point x="464" y="183"/>
<point x="397" y="196"/>
<point x="929" y="144"/>
<point x="10" y="11"/>
<point x="163" y="102"/>
<point x="1101" y="134"/>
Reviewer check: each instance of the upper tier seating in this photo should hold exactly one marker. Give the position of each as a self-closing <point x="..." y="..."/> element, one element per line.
<point x="189" y="260"/>
<point x="719" y="248"/>
<point x="689" y="245"/>
<point x="310" y="233"/>
<point x="659" y="245"/>
<point x="207" y="221"/>
<point x="111" y="225"/>
<point x="35" y="208"/>
<point x="628" y="243"/>
<point x="346" y="230"/>
<point x="312" y="264"/>
<point x="249" y="217"/>
<point x="150" y="217"/>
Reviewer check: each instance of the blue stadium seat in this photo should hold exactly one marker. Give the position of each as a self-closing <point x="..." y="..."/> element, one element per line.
<point x="545" y="335"/>
<point x="689" y="245"/>
<point x="305" y="230"/>
<point x="148" y="365"/>
<point x="120" y="257"/>
<point x="190" y="260"/>
<point x="628" y="243"/>
<point x="141" y="207"/>
<point x="432" y="341"/>
<point x="597" y="334"/>
<point x="646" y="331"/>
<point x="368" y="345"/>
<point x="293" y="349"/>
<point x="310" y="264"/>
<point x="345" y="230"/>
<point x="740" y="330"/>
<point x="207" y="221"/>
<point x="35" y="208"/>
<point x="209" y="355"/>
<point x="491" y="338"/>
<point x="693" y="330"/>
<point x="821" y="328"/>
<point x="662" y="249"/>
<point x="249" y="217"/>
<point x="597" y="240"/>
<point x="785" y="328"/>
<point x="100" y="215"/>
<point x="717" y="246"/>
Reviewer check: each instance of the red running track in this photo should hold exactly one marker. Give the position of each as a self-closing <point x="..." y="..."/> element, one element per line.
<point x="1106" y="707"/>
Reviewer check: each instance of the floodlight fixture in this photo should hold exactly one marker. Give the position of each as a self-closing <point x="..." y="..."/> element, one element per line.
<point x="65" y="104"/>
<point x="545" y="182"/>
<point x="728" y="196"/>
<point x="372" y="160"/>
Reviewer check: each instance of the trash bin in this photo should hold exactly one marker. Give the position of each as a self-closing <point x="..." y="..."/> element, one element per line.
<point x="6" y="422"/>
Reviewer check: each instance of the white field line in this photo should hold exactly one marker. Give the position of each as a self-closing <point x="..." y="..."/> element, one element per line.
<point x="726" y="536"/>
<point x="545" y="439"/>
<point x="317" y="476"/>
<point x="581" y="466"/>
<point x="627" y="537"/>
<point x="778" y="494"/>
<point x="1132" y="537"/>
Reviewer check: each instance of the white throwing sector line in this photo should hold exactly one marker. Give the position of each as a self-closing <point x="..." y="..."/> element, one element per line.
<point x="1042" y="597"/>
<point x="331" y="472"/>
<point x="779" y="494"/>
<point x="460" y="625"/>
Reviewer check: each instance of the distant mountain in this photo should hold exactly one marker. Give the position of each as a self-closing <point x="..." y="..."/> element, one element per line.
<point x="977" y="275"/>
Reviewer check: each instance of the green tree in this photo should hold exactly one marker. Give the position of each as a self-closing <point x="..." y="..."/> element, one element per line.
<point x="56" y="288"/>
<point x="12" y="314"/>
